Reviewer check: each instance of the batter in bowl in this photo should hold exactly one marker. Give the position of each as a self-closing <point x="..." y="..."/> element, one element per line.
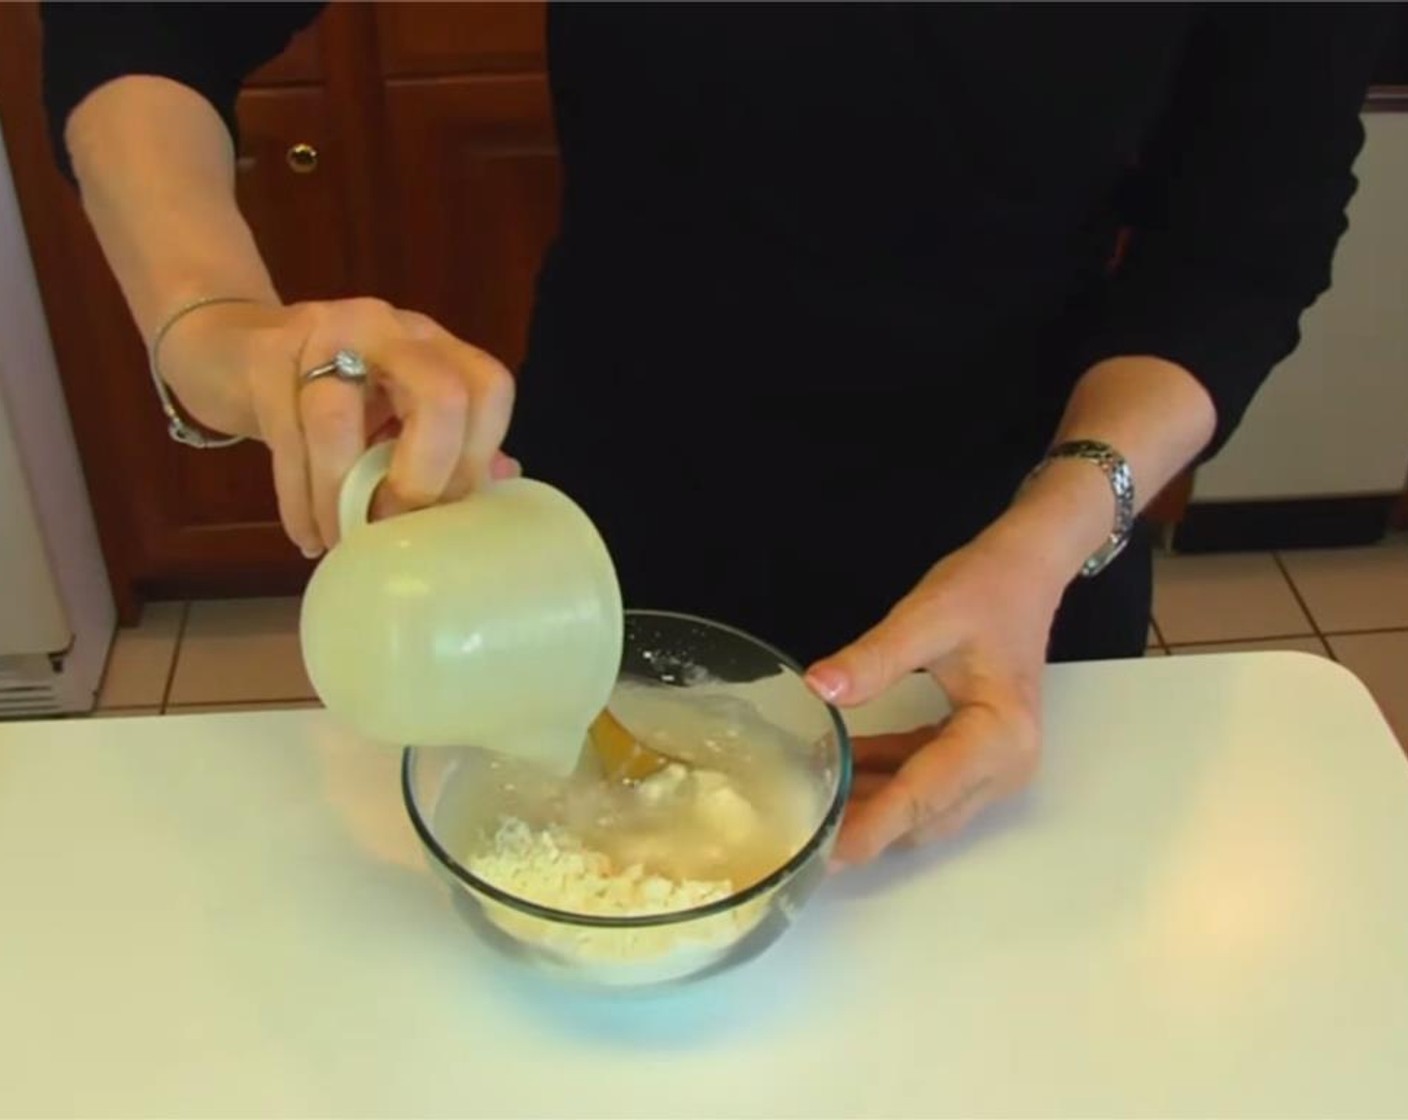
<point x="695" y="833"/>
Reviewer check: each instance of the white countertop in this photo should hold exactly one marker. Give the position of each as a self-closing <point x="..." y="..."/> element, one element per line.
<point x="1202" y="910"/>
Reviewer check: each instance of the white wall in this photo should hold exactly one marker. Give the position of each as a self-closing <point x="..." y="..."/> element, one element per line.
<point x="1333" y="419"/>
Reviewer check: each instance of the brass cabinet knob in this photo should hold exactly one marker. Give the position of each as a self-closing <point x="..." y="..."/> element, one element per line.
<point x="302" y="158"/>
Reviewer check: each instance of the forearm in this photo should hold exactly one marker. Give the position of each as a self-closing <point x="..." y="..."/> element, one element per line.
<point x="1154" y="413"/>
<point x="156" y="169"/>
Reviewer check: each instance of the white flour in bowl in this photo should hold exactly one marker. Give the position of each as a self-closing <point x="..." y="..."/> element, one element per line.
<point x="551" y="866"/>
<point x="649" y="848"/>
<point x="681" y="839"/>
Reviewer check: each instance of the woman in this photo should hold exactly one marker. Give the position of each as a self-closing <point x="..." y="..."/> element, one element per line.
<point x="832" y="282"/>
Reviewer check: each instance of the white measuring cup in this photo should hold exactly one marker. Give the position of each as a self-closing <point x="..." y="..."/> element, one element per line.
<point x="493" y="621"/>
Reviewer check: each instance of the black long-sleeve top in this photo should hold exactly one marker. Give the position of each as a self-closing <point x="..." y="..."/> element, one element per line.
<point x="813" y="195"/>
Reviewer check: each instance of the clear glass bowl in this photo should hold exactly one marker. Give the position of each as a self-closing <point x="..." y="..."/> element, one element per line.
<point x="452" y="800"/>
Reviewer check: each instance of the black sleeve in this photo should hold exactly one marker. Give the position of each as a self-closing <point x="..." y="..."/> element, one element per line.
<point x="1241" y="194"/>
<point x="212" y="48"/>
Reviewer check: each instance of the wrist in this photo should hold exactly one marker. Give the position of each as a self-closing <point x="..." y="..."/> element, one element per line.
<point x="1057" y="521"/>
<point x="207" y="354"/>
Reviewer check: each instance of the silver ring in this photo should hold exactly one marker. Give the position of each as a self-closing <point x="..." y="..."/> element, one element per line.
<point x="346" y="365"/>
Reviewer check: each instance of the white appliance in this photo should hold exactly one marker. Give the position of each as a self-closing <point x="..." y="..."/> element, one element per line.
<point x="56" y="607"/>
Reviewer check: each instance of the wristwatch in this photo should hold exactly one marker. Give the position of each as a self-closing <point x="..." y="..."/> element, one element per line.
<point x="1121" y="479"/>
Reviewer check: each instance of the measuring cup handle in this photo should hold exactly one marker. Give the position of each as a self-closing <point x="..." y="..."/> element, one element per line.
<point x="354" y="501"/>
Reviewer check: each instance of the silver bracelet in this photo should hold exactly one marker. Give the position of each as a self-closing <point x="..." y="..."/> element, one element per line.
<point x="1121" y="479"/>
<point x="176" y="426"/>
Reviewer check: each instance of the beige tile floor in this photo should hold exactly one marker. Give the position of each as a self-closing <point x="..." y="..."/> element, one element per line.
<point x="1351" y="605"/>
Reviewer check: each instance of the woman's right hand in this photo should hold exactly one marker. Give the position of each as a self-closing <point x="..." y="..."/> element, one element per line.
<point x="236" y="368"/>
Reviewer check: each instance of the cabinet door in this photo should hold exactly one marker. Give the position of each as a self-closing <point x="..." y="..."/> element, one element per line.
<point x="417" y="39"/>
<point x="474" y="172"/>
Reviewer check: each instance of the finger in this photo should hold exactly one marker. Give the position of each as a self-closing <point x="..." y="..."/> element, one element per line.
<point x="941" y="775"/>
<point x="505" y="466"/>
<point x="912" y="636"/>
<point x="890" y="751"/>
<point x="957" y="816"/>
<point x="334" y="412"/>
<point x="331" y="413"/>
<point x="491" y="395"/>
<point x="381" y="422"/>
<point x="432" y="397"/>
<point x="277" y="411"/>
<point x="865" y="784"/>
<point x="492" y="391"/>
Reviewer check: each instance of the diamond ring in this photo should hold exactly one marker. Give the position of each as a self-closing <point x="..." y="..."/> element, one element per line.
<point x="346" y="365"/>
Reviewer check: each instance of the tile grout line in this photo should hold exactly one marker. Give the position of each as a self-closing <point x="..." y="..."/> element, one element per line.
<point x="175" y="656"/>
<point x="205" y="704"/>
<point x="107" y="668"/>
<point x="1160" y="642"/>
<point x="275" y="700"/>
<point x="1236" y="641"/>
<point x="1159" y="639"/>
<point x="1300" y="601"/>
<point x="1170" y="646"/>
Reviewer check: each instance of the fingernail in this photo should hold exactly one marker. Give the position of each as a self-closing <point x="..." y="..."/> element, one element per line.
<point x="505" y="467"/>
<point x="827" y="683"/>
<point x="311" y="553"/>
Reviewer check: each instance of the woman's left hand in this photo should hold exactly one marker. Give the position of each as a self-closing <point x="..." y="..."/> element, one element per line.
<point x="980" y="620"/>
<point x="978" y="623"/>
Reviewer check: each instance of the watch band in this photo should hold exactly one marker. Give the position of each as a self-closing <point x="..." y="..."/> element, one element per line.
<point x="1121" y="479"/>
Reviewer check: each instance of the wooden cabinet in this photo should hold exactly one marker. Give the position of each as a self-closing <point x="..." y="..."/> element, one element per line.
<point x="476" y="184"/>
<point x="397" y="149"/>
<point x="291" y="175"/>
<point x="419" y="40"/>
<point x="471" y="164"/>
